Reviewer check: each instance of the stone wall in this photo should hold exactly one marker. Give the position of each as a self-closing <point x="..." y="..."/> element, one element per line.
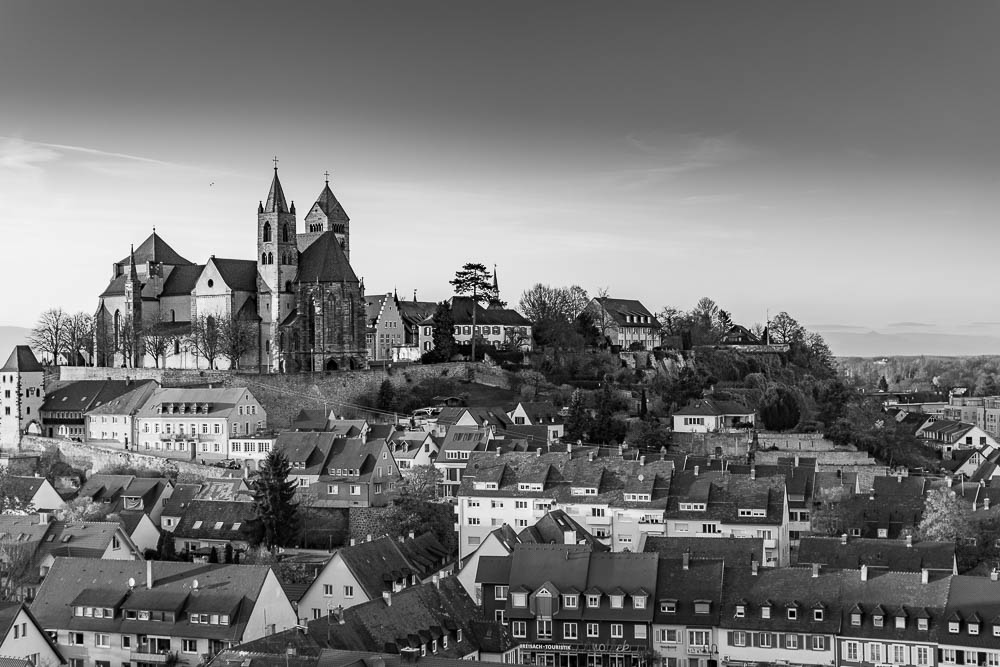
<point x="834" y="459"/>
<point x="797" y="442"/>
<point x="365" y="521"/>
<point x="168" y="377"/>
<point x="93" y="459"/>
<point x="730" y="445"/>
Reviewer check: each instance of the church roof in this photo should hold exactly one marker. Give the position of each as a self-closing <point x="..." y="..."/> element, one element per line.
<point x="239" y="274"/>
<point x="328" y="202"/>
<point x="155" y="249"/>
<point x="324" y="261"/>
<point x="276" y="196"/>
<point x="180" y="281"/>
<point x="23" y="360"/>
<point x="116" y="287"/>
<point x="248" y="311"/>
<point x="413" y="312"/>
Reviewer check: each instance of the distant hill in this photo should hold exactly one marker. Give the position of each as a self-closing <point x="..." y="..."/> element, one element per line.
<point x="875" y="344"/>
<point x="9" y="337"/>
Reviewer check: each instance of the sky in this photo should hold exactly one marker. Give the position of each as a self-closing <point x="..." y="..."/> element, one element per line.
<point x="835" y="160"/>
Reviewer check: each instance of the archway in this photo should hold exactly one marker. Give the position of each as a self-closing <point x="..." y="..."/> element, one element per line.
<point x="331" y="365"/>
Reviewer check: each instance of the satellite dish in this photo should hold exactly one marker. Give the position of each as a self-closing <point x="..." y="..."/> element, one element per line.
<point x="131" y="582"/>
<point x="194" y="584"/>
<point x="640" y="478"/>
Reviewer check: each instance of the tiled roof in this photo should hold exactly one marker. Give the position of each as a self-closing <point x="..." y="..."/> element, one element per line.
<point x="894" y="555"/>
<point x="215" y="520"/>
<point x="127" y="403"/>
<point x="105" y="488"/>
<point x="725" y="495"/>
<point x="9" y="611"/>
<point x="464" y="438"/>
<point x="425" y="553"/>
<point x="23" y="360"/>
<point x="222" y="400"/>
<point x="310" y="419"/>
<point x="619" y="309"/>
<point x="183" y="494"/>
<point x="219" y="587"/>
<point x="307" y="451"/>
<point x="710" y="407"/>
<point x="414" y="312"/>
<point x="700" y="580"/>
<point x="376" y="565"/>
<point x="181" y="281"/>
<point x="239" y="274"/>
<point x="85" y="395"/>
<point x="553" y="527"/>
<point x="23" y="488"/>
<point x="732" y="550"/>
<point x="461" y="314"/>
<point x="324" y="261"/>
<point x="329" y="204"/>
<point x="155" y="249"/>
<point x="88" y="539"/>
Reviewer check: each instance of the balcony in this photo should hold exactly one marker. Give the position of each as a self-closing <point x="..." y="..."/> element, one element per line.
<point x="699" y="650"/>
<point x="599" y="520"/>
<point x="770" y="544"/>
<point x="139" y="656"/>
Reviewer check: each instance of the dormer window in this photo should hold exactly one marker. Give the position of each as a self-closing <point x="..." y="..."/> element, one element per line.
<point x="855" y="619"/>
<point x="973" y="628"/>
<point x="693" y="507"/>
<point x="741" y="610"/>
<point x="668" y="606"/>
<point x="953" y="627"/>
<point x="921" y="624"/>
<point x="765" y="612"/>
<point x="617" y="601"/>
<point x="792" y="613"/>
<point x="593" y="601"/>
<point x="570" y="601"/>
<point x="519" y="600"/>
<point x="900" y="622"/>
<point x="638" y="601"/>
<point x="877" y="620"/>
<point x="702" y="606"/>
<point x="817" y="614"/>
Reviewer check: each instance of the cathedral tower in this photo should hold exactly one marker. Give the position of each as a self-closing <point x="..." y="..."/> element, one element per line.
<point x="327" y="215"/>
<point x="277" y="259"/>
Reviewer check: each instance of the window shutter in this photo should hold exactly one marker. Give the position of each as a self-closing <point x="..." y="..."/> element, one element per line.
<point x="752" y="639"/>
<point x="781" y="641"/>
<point x="730" y="635"/>
<point x="826" y="643"/>
<point x="774" y="639"/>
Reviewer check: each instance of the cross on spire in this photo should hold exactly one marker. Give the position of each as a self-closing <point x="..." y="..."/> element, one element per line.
<point x="327" y="174"/>
<point x="275" y="160"/>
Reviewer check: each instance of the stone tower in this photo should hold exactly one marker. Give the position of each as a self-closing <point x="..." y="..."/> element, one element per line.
<point x="327" y="215"/>
<point x="130" y="323"/>
<point x="277" y="259"/>
<point x="21" y="396"/>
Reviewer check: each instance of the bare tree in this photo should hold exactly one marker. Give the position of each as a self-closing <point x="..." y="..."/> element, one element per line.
<point x="125" y="341"/>
<point x="784" y="329"/>
<point x="14" y="496"/>
<point x="16" y="560"/>
<point x="156" y="340"/>
<point x="48" y="336"/>
<point x="237" y="337"/>
<point x="205" y="339"/>
<point x="78" y="337"/>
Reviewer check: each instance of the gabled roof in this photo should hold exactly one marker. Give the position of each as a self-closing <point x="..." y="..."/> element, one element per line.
<point x="222" y="400"/>
<point x="554" y="526"/>
<point x="732" y="550"/>
<point x="329" y="204"/>
<point x="709" y="407"/>
<point x="9" y="612"/>
<point x="461" y="313"/>
<point x="22" y="360"/>
<point x="414" y="312"/>
<point x="155" y="249"/>
<point x="324" y="261"/>
<point x="181" y="280"/>
<point x="239" y="274"/>
<point x="894" y="555"/>
<point x="376" y="564"/>
<point x="307" y="451"/>
<point x="129" y="402"/>
<point x="87" y="539"/>
<point x="85" y="395"/>
<point x="620" y="309"/>
<point x="215" y="520"/>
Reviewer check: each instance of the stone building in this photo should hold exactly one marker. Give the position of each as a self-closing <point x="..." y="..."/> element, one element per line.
<point x="21" y="396"/>
<point x="299" y="303"/>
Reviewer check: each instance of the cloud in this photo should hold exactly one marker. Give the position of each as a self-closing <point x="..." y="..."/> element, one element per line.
<point x="661" y="156"/>
<point x="908" y="325"/>
<point x="20" y="155"/>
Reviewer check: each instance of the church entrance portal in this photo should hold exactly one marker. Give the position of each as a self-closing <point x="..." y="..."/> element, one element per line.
<point x="331" y="365"/>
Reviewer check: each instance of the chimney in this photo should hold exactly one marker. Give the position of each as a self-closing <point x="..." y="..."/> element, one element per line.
<point x="149" y="575"/>
<point x="354" y="541"/>
<point x="843" y="538"/>
<point x="686" y="560"/>
<point x="909" y="540"/>
<point x="697" y="469"/>
<point x="925" y="575"/>
<point x="986" y="503"/>
<point x="569" y="447"/>
<point x="642" y="460"/>
<point x="815" y="570"/>
<point x="754" y="567"/>
<point x="368" y="538"/>
<point x="590" y="456"/>
<point x="753" y="472"/>
<point x="538" y="452"/>
<point x="436" y="580"/>
<point x="44" y="518"/>
<point x="387" y="596"/>
<point x="498" y="452"/>
<point x="899" y="479"/>
<point x="864" y="573"/>
<point x="401" y="539"/>
<point x="950" y="481"/>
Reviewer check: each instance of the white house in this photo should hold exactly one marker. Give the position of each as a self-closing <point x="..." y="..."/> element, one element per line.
<point x="707" y="415"/>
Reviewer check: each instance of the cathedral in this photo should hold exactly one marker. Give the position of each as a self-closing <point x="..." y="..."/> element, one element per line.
<point x="299" y="299"/>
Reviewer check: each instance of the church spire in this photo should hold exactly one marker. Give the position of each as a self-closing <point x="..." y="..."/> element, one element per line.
<point x="276" y="196"/>
<point x="132" y="275"/>
<point x="496" y="287"/>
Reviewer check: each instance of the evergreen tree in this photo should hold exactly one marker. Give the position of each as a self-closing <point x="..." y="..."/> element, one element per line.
<point x="275" y="521"/>
<point x="607" y="428"/>
<point x="228" y="553"/>
<point x="883" y="384"/>
<point x="386" y="396"/>
<point x="213" y="556"/>
<point x="578" y="420"/>
<point x="165" y="548"/>
<point x="443" y="334"/>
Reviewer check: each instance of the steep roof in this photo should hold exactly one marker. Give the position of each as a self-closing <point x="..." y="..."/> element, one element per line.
<point x="306" y="451"/>
<point x="329" y="204"/>
<point x="85" y="395"/>
<point x="414" y="312"/>
<point x="155" y="249"/>
<point x="376" y="565"/>
<point x="231" y="589"/>
<point x="895" y="555"/>
<point x="239" y="274"/>
<point x="22" y="360"/>
<point x="276" y="196"/>
<point x="215" y="520"/>
<point x="129" y="402"/>
<point x="709" y="407"/>
<point x="181" y="280"/>
<point x="87" y="539"/>
<point x="9" y="611"/>
<point x="461" y="313"/>
<point x="324" y="261"/>
<point x="222" y="400"/>
<point x="621" y="309"/>
<point x="553" y="527"/>
<point x="105" y="488"/>
<point x="686" y="584"/>
<point x="732" y="550"/>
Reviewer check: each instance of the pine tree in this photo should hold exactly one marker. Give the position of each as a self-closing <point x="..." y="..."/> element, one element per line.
<point x="227" y="556"/>
<point x="444" y="334"/>
<point x="213" y="556"/>
<point x="883" y="384"/>
<point x="165" y="548"/>
<point x="578" y="420"/>
<point x="275" y="521"/>
<point x="386" y="396"/>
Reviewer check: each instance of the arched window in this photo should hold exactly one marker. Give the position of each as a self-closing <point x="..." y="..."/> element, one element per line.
<point x="118" y="327"/>
<point x="173" y="316"/>
<point x="288" y="285"/>
<point x="177" y="346"/>
<point x="270" y="258"/>
<point x="263" y="258"/>
<point x="284" y="233"/>
<point x="267" y="232"/>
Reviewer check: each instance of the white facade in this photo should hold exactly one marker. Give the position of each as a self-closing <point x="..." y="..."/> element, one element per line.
<point x="21" y="398"/>
<point x="25" y="640"/>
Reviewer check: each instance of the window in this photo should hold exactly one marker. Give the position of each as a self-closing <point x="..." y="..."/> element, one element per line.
<point x="543" y="628"/>
<point x="499" y="616"/>
<point x="519" y="600"/>
<point x="899" y="654"/>
<point x="851" y="651"/>
<point x="817" y="614"/>
<point x="949" y="655"/>
<point x="698" y="637"/>
<point x="102" y="640"/>
<point x="818" y="643"/>
<point x="855" y="619"/>
<point x="638" y="601"/>
<point x="569" y="631"/>
<point x="667" y="636"/>
<point x="593" y="629"/>
<point x="570" y="601"/>
<point x="921" y="624"/>
<point x="792" y="642"/>
<point x="328" y="590"/>
<point x="923" y="656"/>
<point x="617" y="631"/>
<point x="500" y="592"/>
<point x="739" y="639"/>
<point x="875" y="652"/>
<point x="519" y="629"/>
<point x="953" y="627"/>
<point x="593" y="601"/>
<point x="617" y="601"/>
<point x="126" y="641"/>
<point x="792" y="613"/>
<point x="355" y="490"/>
<point x="973" y="628"/>
<point x="765" y="612"/>
<point x="76" y="639"/>
<point x="765" y="640"/>
<point x="640" y="631"/>
<point x="189" y="645"/>
<point x="348" y="591"/>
